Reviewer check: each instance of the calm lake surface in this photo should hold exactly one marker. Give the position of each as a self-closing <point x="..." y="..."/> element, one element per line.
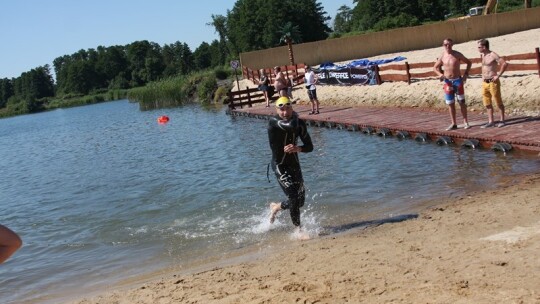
<point x="102" y="193"/>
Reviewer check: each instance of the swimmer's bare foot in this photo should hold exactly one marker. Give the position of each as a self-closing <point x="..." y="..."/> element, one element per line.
<point x="274" y="209"/>
<point x="301" y="234"/>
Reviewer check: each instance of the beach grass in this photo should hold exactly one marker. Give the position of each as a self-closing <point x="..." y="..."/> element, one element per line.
<point x="176" y="91"/>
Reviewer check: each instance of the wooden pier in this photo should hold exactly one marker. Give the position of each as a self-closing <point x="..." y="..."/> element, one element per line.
<point x="521" y="132"/>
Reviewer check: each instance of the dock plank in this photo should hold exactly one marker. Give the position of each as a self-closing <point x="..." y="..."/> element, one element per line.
<point x="522" y="132"/>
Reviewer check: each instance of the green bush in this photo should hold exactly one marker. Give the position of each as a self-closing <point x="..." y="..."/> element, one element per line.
<point x="221" y="94"/>
<point x="176" y="91"/>
<point x="160" y="94"/>
<point x="402" y="20"/>
<point x="14" y="106"/>
<point x="206" y="89"/>
<point x="221" y="73"/>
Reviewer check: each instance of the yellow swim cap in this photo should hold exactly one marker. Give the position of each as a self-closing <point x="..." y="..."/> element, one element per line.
<point x="283" y="101"/>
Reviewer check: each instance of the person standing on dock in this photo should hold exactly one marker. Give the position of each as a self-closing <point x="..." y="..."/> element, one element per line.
<point x="310" y="79"/>
<point x="264" y="83"/>
<point x="450" y="61"/>
<point x="284" y="129"/>
<point x="280" y="84"/>
<point x="491" y="85"/>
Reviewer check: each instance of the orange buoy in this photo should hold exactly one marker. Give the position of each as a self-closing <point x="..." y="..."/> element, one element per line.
<point x="163" y="119"/>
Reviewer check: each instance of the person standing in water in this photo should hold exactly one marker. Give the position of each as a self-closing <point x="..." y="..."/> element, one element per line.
<point x="284" y="129"/>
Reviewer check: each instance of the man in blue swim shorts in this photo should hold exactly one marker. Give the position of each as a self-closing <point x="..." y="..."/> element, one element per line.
<point x="450" y="73"/>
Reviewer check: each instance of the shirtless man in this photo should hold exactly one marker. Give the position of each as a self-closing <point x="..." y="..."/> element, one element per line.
<point x="280" y="84"/>
<point x="450" y="61"/>
<point x="491" y="85"/>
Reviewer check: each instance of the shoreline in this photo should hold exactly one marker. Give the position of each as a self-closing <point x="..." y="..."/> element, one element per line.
<point x="477" y="248"/>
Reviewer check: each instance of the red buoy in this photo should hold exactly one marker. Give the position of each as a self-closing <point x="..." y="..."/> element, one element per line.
<point x="163" y="119"/>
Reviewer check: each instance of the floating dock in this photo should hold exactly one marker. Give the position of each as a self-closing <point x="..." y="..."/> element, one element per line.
<point x="520" y="132"/>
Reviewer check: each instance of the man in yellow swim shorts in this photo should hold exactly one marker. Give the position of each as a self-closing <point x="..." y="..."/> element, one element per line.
<point x="493" y="66"/>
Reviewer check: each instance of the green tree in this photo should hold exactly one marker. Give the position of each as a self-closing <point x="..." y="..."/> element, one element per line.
<point x="342" y="20"/>
<point x="60" y="65"/>
<point x="219" y="22"/>
<point x="36" y="83"/>
<point x="402" y="20"/>
<point x="145" y="62"/>
<point x="256" y="24"/>
<point x="202" y="56"/>
<point x="111" y="62"/>
<point x="79" y="78"/>
<point x="178" y="59"/>
<point x="216" y="56"/>
<point x="6" y="91"/>
<point x="290" y="34"/>
<point x="431" y="10"/>
<point x="386" y="14"/>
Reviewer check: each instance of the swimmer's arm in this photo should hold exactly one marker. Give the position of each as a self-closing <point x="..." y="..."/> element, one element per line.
<point x="306" y="139"/>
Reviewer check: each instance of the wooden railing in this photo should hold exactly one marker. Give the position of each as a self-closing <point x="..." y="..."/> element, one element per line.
<point x="250" y="96"/>
<point x="408" y="75"/>
<point x="294" y="72"/>
<point x="246" y="97"/>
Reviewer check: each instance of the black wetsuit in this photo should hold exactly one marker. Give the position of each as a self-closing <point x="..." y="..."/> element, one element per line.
<point x="286" y="166"/>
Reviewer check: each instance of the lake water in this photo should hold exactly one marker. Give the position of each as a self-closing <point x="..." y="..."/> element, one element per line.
<point x="102" y="193"/>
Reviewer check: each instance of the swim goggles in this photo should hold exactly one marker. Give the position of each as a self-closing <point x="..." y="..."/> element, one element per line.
<point x="282" y="105"/>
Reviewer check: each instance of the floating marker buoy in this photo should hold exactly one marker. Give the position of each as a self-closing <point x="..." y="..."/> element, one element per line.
<point x="471" y="143"/>
<point x="402" y="134"/>
<point x="422" y="137"/>
<point x="353" y="128"/>
<point x="330" y="124"/>
<point x="384" y="132"/>
<point x="502" y="147"/>
<point x="444" y="140"/>
<point x="368" y="130"/>
<point x="163" y="119"/>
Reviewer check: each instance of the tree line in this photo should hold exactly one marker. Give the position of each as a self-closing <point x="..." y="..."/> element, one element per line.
<point x="108" y="68"/>
<point x="378" y="15"/>
<point x="249" y="25"/>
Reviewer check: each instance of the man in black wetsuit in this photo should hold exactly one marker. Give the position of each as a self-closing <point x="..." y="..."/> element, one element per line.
<point x="284" y="129"/>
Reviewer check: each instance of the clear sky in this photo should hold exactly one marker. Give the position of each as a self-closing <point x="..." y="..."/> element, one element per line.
<point x="35" y="32"/>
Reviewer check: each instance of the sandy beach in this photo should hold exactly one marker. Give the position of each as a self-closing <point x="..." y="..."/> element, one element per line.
<point x="520" y="89"/>
<point x="479" y="248"/>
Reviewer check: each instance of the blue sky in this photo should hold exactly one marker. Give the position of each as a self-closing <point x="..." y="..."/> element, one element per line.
<point x="35" y="32"/>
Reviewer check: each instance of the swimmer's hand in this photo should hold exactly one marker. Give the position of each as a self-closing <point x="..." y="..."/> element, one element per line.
<point x="290" y="148"/>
